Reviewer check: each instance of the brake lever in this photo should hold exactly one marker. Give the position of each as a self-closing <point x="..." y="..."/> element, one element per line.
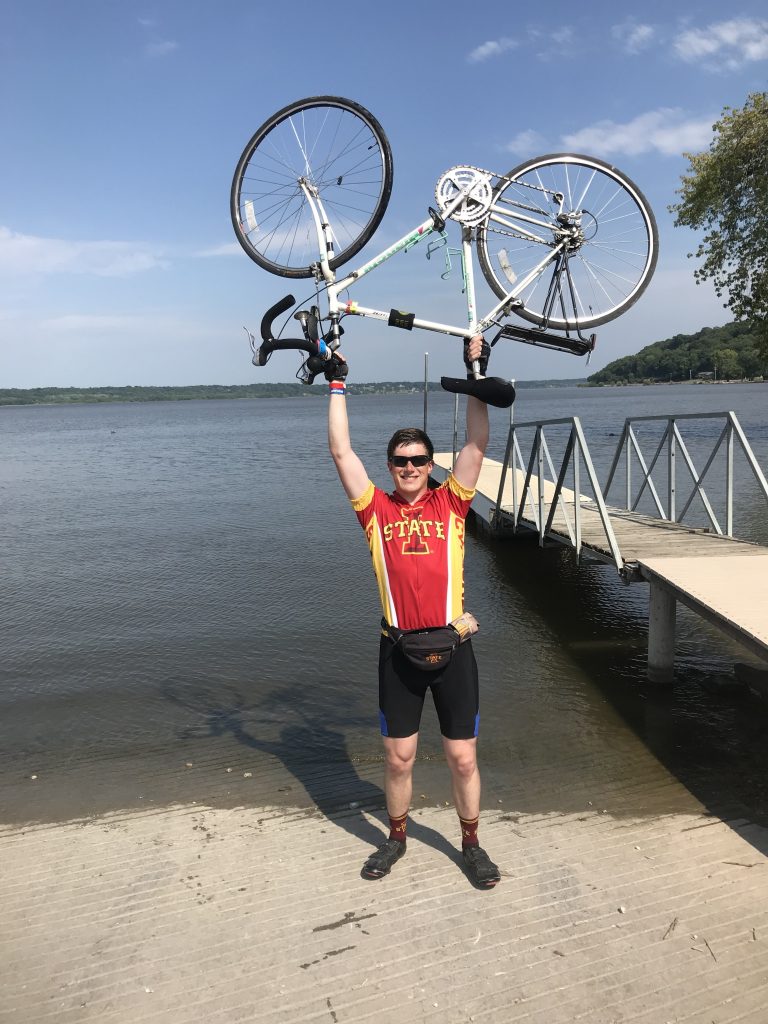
<point x="304" y="374"/>
<point x="312" y="367"/>
<point x="255" y="349"/>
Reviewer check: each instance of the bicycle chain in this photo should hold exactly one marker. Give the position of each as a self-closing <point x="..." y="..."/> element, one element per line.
<point x="502" y="178"/>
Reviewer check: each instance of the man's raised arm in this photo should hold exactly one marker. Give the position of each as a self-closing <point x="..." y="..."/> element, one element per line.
<point x="352" y="474"/>
<point x="469" y="461"/>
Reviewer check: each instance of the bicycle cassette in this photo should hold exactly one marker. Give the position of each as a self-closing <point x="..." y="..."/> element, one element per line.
<point x="475" y="184"/>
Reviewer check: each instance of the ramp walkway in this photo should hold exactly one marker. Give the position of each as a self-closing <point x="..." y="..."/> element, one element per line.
<point x="722" y="579"/>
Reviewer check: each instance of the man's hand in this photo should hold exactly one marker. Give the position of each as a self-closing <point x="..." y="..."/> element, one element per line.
<point x="336" y="367"/>
<point x="476" y="349"/>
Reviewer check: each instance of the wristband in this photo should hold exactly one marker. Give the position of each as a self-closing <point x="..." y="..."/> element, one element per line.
<point x="337" y="387"/>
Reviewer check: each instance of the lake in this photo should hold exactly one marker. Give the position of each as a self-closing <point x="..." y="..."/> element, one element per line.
<point x="188" y="612"/>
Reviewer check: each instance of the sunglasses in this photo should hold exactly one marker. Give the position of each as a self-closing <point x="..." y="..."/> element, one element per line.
<point x="417" y="461"/>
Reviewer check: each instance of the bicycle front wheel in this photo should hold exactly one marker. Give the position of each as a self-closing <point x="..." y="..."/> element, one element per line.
<point x="338" y="148"/>
<point x="611" y="241"/>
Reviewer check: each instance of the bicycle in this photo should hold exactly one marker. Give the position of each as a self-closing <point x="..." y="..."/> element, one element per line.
<point x="565" y="241"/>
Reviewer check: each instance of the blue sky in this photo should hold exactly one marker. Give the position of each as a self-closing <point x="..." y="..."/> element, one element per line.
<point x="122" y="123"/>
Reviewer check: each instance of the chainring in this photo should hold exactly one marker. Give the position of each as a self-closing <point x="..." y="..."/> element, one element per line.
<point x="476" y="183"/>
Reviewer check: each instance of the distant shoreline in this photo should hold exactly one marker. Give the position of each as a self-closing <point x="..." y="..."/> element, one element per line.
<point x="667" y="383"/>
<point x="26" y="397"/>
<point x="16" y="397"/>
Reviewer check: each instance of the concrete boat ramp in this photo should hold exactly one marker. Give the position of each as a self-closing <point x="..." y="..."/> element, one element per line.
<point x="623" y="899"/>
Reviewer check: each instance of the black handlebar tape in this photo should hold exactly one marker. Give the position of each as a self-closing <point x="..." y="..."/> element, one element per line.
<point x="308" y="346"/>
<point x="270" y="345"/>
<point x="272" y="314"/>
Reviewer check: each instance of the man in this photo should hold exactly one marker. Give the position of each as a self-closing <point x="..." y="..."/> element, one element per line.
<point x="416" y="537"/>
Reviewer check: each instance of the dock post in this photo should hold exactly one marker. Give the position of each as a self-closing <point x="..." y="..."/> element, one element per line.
<point x="426" y="387"/>
<point x="661" y="635"/>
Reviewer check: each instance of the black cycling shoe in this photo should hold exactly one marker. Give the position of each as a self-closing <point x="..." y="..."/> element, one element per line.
<point x="481" y="870"/>
<point x="381" y="862"/>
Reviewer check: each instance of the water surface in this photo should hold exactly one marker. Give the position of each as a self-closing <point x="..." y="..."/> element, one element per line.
<point x="186" y="591"/>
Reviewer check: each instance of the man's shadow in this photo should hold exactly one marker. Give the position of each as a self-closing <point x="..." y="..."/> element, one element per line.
<point x="313" y="749"/>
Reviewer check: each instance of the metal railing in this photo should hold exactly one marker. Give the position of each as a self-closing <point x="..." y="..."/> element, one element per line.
<point x="670" y="445"/>
<point x="542" y="509"/>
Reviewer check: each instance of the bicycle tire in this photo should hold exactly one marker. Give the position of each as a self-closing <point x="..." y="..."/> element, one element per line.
<point x="609" y="269"/>
<point x="342" y="149"/>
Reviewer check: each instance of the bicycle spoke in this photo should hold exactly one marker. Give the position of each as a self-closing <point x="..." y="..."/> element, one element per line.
<point x="605" y="222"/>
<point x="321" y="130"/>
<point x="580" y="204"/>
<point x="337" y="148"/>
<point x="628" y="281"/>
<point x="595" y="279"/>
<point x="599" y="213"/>
<point x="270" y="236"/>
<point x="349" y="148"/>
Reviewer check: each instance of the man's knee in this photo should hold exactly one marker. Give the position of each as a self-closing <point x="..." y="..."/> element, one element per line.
<point x="462" y="758"/>
<point x="400" y="757"/>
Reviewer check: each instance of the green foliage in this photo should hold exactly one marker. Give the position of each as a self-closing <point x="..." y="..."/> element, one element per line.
<point x="67" y="396"/>
<point x="727" y="353"/>
<point x="725" y="193"/>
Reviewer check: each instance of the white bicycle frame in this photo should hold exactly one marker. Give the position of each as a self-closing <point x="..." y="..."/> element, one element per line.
<point x="474" y="326"/>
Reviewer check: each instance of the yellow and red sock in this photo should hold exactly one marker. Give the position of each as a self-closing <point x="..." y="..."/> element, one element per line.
<point x="469" y="831"/>
<point x="397" y="827"/>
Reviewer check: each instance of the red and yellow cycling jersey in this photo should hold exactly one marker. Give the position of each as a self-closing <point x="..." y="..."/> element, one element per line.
<point x="417" y="552"/>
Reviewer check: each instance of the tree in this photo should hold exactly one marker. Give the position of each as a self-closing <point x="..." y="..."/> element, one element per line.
<point x="752" y="363"/>
<point x="728" y="364"/>
<point x="725" y="193"/>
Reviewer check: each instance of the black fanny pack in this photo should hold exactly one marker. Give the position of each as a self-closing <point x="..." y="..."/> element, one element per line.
<point x="428" y="649"/>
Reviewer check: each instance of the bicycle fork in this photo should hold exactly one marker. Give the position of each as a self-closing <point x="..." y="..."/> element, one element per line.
<point x="556" y="295"/>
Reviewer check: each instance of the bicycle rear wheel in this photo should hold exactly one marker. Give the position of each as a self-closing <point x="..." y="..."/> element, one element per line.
<point x="338" y="147"/>
<point x="612" y="238"/>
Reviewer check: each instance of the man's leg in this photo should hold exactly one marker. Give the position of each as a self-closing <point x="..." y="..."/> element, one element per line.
<point x="461" y="756"/>
<point x="465" y="778"/>
<point x="399" y="754"/>
<point x="401" y="699"/>
<point x="457" y="702"/>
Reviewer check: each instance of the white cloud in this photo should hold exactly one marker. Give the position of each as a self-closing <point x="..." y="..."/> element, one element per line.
<point x="563" y="36"/>
<point x="665" y="131"/>
<point x="724" y="45"/>
<point x="160" y="49"/>
<point x="30" y="254"/>
<point x="88" y="348"/>
<point x="87" y="323"/>
<point x="225" y="249"/>
<point x="550" y="43"/>
<point x="633" y="37"/>
<point x="493" y="48"/>
<point x="88" y="326"/>
<point x="527" y="143"/>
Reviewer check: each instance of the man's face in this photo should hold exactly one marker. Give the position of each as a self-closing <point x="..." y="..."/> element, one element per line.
<point x="410" y="481"/>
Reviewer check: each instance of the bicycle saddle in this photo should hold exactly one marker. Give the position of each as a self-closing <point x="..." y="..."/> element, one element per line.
<point x="492" y="390"/>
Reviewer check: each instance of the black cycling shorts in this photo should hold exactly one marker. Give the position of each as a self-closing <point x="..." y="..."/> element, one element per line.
<point x="403" y="687"/>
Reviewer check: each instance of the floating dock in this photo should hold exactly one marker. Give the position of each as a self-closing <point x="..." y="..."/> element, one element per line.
<point x="722" y="579"/>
